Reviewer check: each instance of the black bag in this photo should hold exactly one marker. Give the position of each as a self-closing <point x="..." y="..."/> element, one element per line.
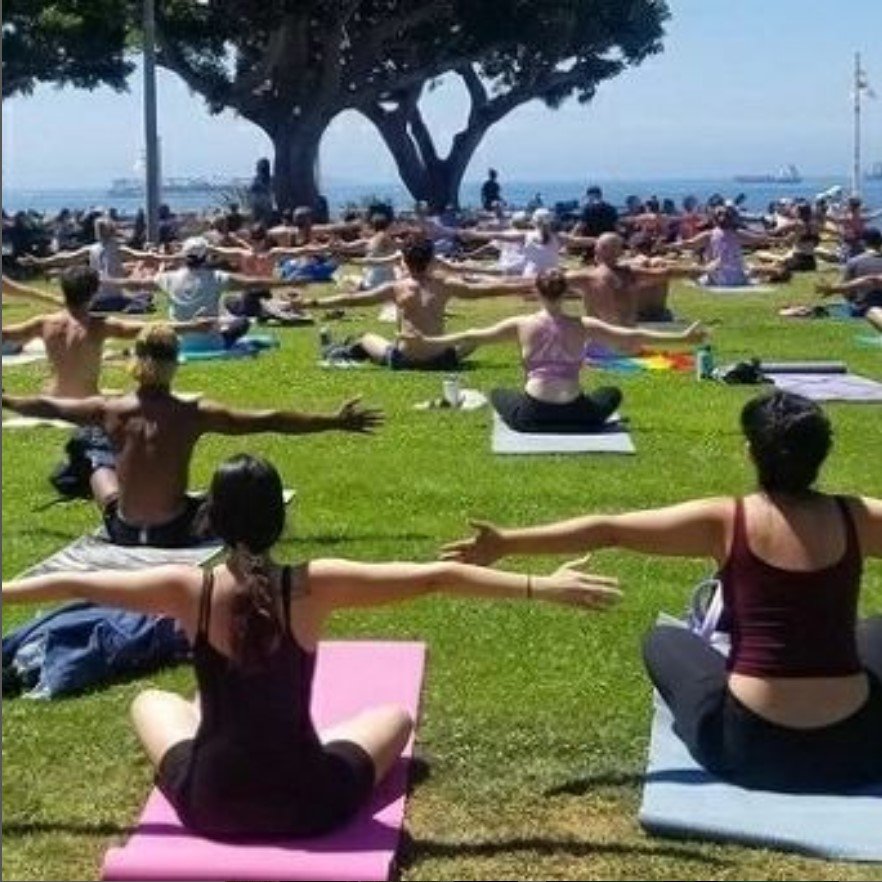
<point x="87" y="450"/>
<point x="743" y="372"/>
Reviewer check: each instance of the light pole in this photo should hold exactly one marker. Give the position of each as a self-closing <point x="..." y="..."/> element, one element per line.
<point x="151" y="141"/>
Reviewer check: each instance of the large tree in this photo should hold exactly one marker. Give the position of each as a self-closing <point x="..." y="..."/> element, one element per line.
<point x="532" y="49"/>
<point x="291" y="66"/>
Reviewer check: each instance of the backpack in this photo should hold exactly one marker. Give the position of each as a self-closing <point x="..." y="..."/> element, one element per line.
<point x="87" y="450"/>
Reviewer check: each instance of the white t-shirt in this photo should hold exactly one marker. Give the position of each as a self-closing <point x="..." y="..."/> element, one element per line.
<point x="105" y="258"/>
<point x="540" y="256"/>
<point x="193" y="293"/>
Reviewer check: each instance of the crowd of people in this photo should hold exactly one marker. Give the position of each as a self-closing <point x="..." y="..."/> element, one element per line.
<point x="797" y="705"/>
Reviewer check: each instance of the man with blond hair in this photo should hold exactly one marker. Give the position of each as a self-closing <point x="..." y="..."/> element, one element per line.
<point x="152" y="432"/>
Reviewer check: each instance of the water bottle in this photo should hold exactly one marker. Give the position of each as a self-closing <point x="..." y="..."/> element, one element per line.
<point x="704" y="363"/>
<point x="450" y="390"/>
<point x="324" y="340"/>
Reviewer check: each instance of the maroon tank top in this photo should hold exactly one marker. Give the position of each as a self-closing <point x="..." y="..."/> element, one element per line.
<point x="791" y="623"/>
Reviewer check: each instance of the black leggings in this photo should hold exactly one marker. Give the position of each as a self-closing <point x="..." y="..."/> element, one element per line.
<point x="587" y="413"/>
<point x="730" y="740"/>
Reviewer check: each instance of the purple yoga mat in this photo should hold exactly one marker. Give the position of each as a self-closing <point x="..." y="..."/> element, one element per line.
<point x="350" y="677"/>
<point x="830" y="387"/>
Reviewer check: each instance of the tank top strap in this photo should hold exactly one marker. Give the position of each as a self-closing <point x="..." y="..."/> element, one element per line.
<point x="739" y="529"/>
<point x="205" y="603"/>
<point x="287" y="575"/>
<point x="852" y="542"/>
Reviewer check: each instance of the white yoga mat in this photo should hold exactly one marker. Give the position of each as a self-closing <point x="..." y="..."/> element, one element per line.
<point x="613" y="439"/>
<point x="32" y="352"/>
<point x="734" y="289"/>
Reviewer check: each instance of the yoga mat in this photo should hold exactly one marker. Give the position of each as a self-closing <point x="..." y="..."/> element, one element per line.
<point x="350" y="677"/>
<point x="734" y="289"/>
<point x="248" y="347"/>
<point x="32" y="352"/>
<point x="804" y="367"/>
<point x="830" y="387"/>
<point x="873" y="340"/>
<point x="612" y="439"/>
<point x="684" y="801"/>
<point x="95" y="551"/>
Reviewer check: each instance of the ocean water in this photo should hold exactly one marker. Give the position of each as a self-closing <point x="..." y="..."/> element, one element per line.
<point x="516" y="193"/>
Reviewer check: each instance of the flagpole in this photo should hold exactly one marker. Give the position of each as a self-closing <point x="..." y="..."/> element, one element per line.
<point x="856" y="168"/>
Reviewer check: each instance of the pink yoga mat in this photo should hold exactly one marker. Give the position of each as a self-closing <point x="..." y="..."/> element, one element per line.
<point x="350" y="677"/>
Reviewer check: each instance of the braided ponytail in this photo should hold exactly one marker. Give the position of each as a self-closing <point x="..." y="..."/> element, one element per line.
<point x="247" y="510"/>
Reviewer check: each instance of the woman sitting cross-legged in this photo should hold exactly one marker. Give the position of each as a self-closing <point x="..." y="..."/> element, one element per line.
<point x="552" y="346"/>
<point x="246" y="760"/>
<point x="798" y="703"/>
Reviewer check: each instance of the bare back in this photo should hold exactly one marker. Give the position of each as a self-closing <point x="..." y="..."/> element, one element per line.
<point x="74" y="347"/>
<point x="608" y="294"/>
<point x="154" y="435"/>
<point x="421" y="306"/>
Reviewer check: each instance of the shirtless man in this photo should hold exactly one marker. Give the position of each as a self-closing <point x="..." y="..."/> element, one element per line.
<point x="860" y="295"/>
<point x="421" y="299"/>
<point x="610" y="290"/>
<point x="74" y="338"/>
<point x="153" y="433"/>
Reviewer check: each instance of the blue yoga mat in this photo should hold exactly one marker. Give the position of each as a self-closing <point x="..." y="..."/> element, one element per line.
<point x="247" y="347"/>
<point x="872" y="340"/>
<point x="682" y="800"/>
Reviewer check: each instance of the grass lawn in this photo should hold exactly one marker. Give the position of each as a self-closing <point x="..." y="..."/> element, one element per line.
<point x="535" y="719"/>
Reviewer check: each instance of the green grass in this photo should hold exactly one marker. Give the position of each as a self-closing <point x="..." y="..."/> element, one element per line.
<point x="535" y="720"/>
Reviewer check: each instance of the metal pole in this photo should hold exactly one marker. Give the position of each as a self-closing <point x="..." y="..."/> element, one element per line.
<point x="856" y="168"/>
<point x="151" y="141"/>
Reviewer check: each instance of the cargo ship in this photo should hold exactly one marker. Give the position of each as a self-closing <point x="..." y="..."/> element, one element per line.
<point x="789" y="174"/>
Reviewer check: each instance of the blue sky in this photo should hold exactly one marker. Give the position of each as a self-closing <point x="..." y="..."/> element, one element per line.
<point x="742" y="86"/>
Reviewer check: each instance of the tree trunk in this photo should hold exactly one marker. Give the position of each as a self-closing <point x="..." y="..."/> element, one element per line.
<point x="297" y="149"/>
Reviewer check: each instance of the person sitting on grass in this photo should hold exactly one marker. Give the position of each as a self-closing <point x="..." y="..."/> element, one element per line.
<point x="552" y="345"/>
<point x="421" y="299"/>
<point x="143" y="493"/>
<point x="863" y="294"/>
<point x="74" y="338"/>
<point x="798" y="703"/>
<point x="245" y="759"/>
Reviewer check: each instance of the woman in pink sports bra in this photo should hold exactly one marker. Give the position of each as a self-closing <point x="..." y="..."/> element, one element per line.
<point x="797" y="705"/>
<point x="552" y="346"/>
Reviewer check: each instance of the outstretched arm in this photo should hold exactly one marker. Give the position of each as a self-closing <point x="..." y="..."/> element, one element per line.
<point x="695" y="243"/>
<point x="849" y="289"/>
<point x="160" y="591"/>
<point x="647" y="276"/>
<point x="507" y="329"/>
<point x="380" y="294"/>
<point x="63" y="258"/>
<point x="506" y="287"/>
<point x="121" y="329"/>
<point x="615" y="335"/>
<point x="691" y="529"/>
<point x="10" y="286"/>
<point x="228" y="421"/>
<point x="24" y="331"/>
<point x="343" y="583"/>
<point x="238" y="282"/>
<point x="82" y="411"/>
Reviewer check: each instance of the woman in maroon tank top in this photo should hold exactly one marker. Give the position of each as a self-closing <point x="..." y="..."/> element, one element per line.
<point x="247" y="761"/>
<point x="797" y="705"/>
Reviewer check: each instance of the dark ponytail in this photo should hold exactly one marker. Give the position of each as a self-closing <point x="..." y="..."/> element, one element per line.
<point x="789" y="439"/>
<point x="247" y="510"/>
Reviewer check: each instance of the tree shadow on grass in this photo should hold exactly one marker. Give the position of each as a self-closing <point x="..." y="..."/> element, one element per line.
<point x="337" y="538"/>
<point x="411" y="850"/>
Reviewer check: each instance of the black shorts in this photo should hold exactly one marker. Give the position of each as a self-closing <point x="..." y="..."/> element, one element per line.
<point x="448" y="360"/>
<point x="801" y="263"/>
<point x="183" y="531"/>
<point x="587" y="413"/>
<point x="339" y="785"/>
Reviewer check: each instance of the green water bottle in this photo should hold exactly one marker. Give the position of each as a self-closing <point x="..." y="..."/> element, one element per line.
<point x="704" y="362"/>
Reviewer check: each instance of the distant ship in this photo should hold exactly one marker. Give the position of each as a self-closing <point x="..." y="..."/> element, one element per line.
<point x="789" y="174"/>
<point x="134" y="187"/>
<point x="874" y="173"/>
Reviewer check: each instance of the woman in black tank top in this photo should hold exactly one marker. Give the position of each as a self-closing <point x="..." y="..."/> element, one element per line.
<point x="247" y="761"/>
<point x="799" y="704"/>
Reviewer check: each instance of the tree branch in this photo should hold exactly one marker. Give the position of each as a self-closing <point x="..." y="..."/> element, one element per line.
<point x="474" y="84"/>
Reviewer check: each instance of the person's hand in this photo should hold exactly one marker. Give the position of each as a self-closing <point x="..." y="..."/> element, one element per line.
<point x="483" y="549"/>
<point x="824" y="288"/>
<point x="571" y="586"/>
<point x="352" y="418"/>
<point x="697" y="332"/>
<point x="411" y="334"/>
<point x="28" y="260"/>
<point x="208" y="324"/>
